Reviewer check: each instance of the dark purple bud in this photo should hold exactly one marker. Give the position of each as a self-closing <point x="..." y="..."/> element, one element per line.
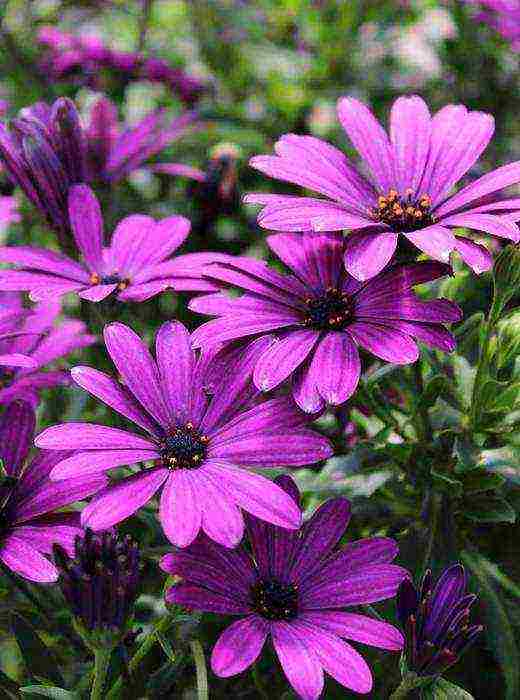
<point x="407" y="601"/>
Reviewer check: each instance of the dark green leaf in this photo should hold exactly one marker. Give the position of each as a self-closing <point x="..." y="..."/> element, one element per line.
<point x="481" y="480"/>
<point x="490" y="509"/>
<point x="446" y="483"/>
<point x="441" y="689"/>
<point x="466" y="453"/>
<point x="39" y="660"/>
<point x="39" y="691"/>
<point x="8" y="687"/>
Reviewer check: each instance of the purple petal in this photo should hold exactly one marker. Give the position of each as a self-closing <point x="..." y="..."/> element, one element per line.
<point x="86" y="221"/>
<point x="40" y="285"/>
<point x="436" y="241"/>
<point x="16" y="359"/>
<point x="119" y="501"/>
<point x="20" y="557"/>
<point x="282" y="358"/>
<point x="304" y="387"/>
<point x="44" y="260"/>
<point x="221" y="519"/>
<point x="145" y="291"/>
<point x="197" y="598"/>
<point x="410" y="127"/>
<point x="402" y="278"/>
<point x="220" y="330"/>
<point x="337" y="367"/>
<point x="381" y="341"/>
<point x="161" y="241"/>
<point x="239" y="646"/>
<point x="129" y="240"/>
<point x="83" y="463"/>
<point x="175" y="361"/>
<point x="89" y="436"/>
<point x="449" y="588"/>
<point x="408" y="307"/>
<point x="98" y="292"/>
<point x="290" y="213"/>
<point x="489" y="223"/>
<point x="430" y="334"/>
<point x="359" y="628"/>
<point x="42" y="534"/>
<point x="180" y="510"/>
<point x="298" y="659"/>
<point x="113" y="394"/>
<point x="367" y="253"/>
<point x="135" y="364"/>
<point x="16" y="436"/>
<point x="475" y="255"/>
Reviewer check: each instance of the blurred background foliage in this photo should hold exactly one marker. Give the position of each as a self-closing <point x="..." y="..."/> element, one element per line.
<point x="420" y="460"/>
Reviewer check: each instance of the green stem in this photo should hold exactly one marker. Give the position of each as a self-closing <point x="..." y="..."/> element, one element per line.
<point x="259" y="684"/>
<point x="161" y="626"/>
<point x="432" y="530"/>
<point x="200" y="666"/>
<point x="408" y="684"/>
<point x="482" y="368"/>
<point x="423" y="424"/>
<point x="101" y="664"/>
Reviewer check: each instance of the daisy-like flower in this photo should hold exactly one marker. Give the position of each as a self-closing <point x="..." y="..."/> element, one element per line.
<point x="30" y="523"/>
<point x="292" y="587"/>
<point x="408" y="191"/>
<point x="30" y="340"/>
<point x="44" y="154"/>
<point x="436" y="621"/>
<point x="114" y="152"/>
<point x="135" y="266"/>
<point x="201" y="448"/>
<point x="503" y="16"/>
<point x="321" y="315"/>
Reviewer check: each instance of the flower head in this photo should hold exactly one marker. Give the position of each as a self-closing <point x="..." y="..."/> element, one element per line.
<point x="100" y="582"/>
<point x="201" y="448"/>
<point x="135" y="266"/>
<point x="31" y="516"/>
<point x="408" y="191"/>
<point x="436" y="621"/>
<point x="503" y="16"/>
<point x="114" y="152"/>
<point x="321" y="315"/>
<point x="29" y="341"/>
<point x="44" y="154"/>
<point x="292" y="587"/>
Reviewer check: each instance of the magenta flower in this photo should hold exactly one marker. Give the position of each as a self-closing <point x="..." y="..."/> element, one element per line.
<point x="29" y="341"/>
<point x="321" y="315"/>
<point x="201" y="448"/>
<point x="412" y="173"/>
<point x="29" y="501"/>
<point x="503" y="16"/>
<point x="135" y="266"/>
<point x="113" y="153"/>
<point x="292" y="588"/>
<point x="44" y="154"/>
<point x="436" y="621"/>
<point x="8" y="212"/>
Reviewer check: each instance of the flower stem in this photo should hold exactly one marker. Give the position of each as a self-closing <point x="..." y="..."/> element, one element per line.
<point x="101" y="664"/>
<point x="200" y="666"/>
<point x="408" y="684"/>
<point x="161" y="626"/>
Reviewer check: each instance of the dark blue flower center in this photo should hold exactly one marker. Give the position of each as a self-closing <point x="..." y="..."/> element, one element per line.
<point x="331" y="311"/>
<point x="275" y="601"/>
<point x="403" y="213"/>
<point x="122" y="283"/>
<point x="184" y="448"/>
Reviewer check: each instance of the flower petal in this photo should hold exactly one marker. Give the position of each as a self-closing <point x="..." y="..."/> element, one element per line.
<point x="298" y="659"/>
<point x="16" y="436"/>
<point x="175" y="361"/>
<point x="86" y="222"/>
<point x="359" y="628"/>
<point x="199" y="598"/>
<point x="180" y="510"/>
<point x="367" y="253"/>
<point x="475" y="255"/>
<point x="89" y="436"/>
<point x="239" y="646"/>
<point x="20" y="557"/>
<point x="436" y="241"/>
<point x="282" y="358"/>
<point x="388" y="344"/>
<point x="83" y="463"/>
<point x="337" y="367"/>
<point x="410" y="127"/>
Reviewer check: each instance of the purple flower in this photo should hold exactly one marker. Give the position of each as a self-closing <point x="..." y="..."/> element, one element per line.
<point x="8" y="212"/>
<point x="292" y="587"/>
<point x="202" y="448"/>
<point x="321" y="315"/>
<point x="503" y="16"/>
<point x="135" y="266"/>
<point x="113" y="153"/>
<point x="436" y="621"/>
<point x="30" y="523"/>
<point x="44" y="153"/>
<point x="29" y="341"/>
<point x="411" y="175"/>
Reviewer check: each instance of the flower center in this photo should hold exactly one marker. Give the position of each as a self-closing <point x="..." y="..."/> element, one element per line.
<point x="332" y="311"/>
<point x="275" y="601"/>
<point x="403" y="213"/>
<point x="110" y="279"/>
<point x="185" y="448"/>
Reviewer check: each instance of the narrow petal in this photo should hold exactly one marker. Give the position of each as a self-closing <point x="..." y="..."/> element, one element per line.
<point x="44" y="260"/>
<point x="121" y="500"/>
<point x="98" y="292"/>
<point x="282" y="358"/>
<point x="489" y="223"/>
<point x="358" y="628"/>
<point x="449" y="588"/>
<point x="410" y="127"/>
<point x="221" y="518"/>
<point x="389" y="345"/>
<point x="239" y="646"/>
<point x="220" y="330"/>
<point x="180" y="509"/>
<point x="298" y="659"/>
<point x="198" y="598"/>
<point x="83" y="463"/>
<point x="304" y="388"/>
<point x="367" y="253"/>
<point x="338" y="367"/>
<point x="87" y="225"/>
<point x="88" y="436"/>
<point x="475" y="255"/>
<point x="20" y="557"/>
<point x="129" y="240"/>
<point x="175" y="361"/>
<point x="436" y="241"/>
<point x="16" y="436"/>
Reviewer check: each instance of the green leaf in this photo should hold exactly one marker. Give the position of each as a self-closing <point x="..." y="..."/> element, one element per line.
<point x="490" y="509"/>
<point x="498" y="626"/>
<point x="39" y="660"/>
<point x="166" y="646"/>
<point x="446" y="483"/>
<point x="47" y="692"/>
<point x="441" y="689"/>
<point x="466" y="453"/>
<point x="8" y="687"/>
<point x="437" y="386"/>
<point x="480" y="480"/>
<point x="506" y="399"/>
<point x="464" y="378"/>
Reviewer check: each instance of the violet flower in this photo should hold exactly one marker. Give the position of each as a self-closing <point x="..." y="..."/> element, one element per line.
<point x="31" y="517"/>
<point x="29" y="342"/>
<point x="135" y="266"/>
<point x="321" y="315"/>
<point x="44" y="154"/>
<point x="436" y="621"/>
<point x="201" y="448"/>
<point x="113" y="152"/>
<point x="8" y="212"/>
<point x="503" y="16"/>
<point x="292" y="587"/>
<point x="408" y="192"/>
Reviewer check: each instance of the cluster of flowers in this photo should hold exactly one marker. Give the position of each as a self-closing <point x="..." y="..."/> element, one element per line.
<point x="203" y="418"/>
<point x="86" y="56"/>
<point x="503" y="16"/>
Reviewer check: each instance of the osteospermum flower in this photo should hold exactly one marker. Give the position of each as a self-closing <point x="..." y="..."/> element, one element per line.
<point x="201" y="449"/>
<point x="30" y="341"/>
<point x="135" y="266"/>
<point x="292" y="587"/>
<point x="411" y="175"/>
<point x="31" y="517"/>
<point x="503" y="16"/>
<point x="114" y="152"/>
<point x="436" y="621"/>
<point x="44" y="154"/>
<point x="321" y="315"/>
